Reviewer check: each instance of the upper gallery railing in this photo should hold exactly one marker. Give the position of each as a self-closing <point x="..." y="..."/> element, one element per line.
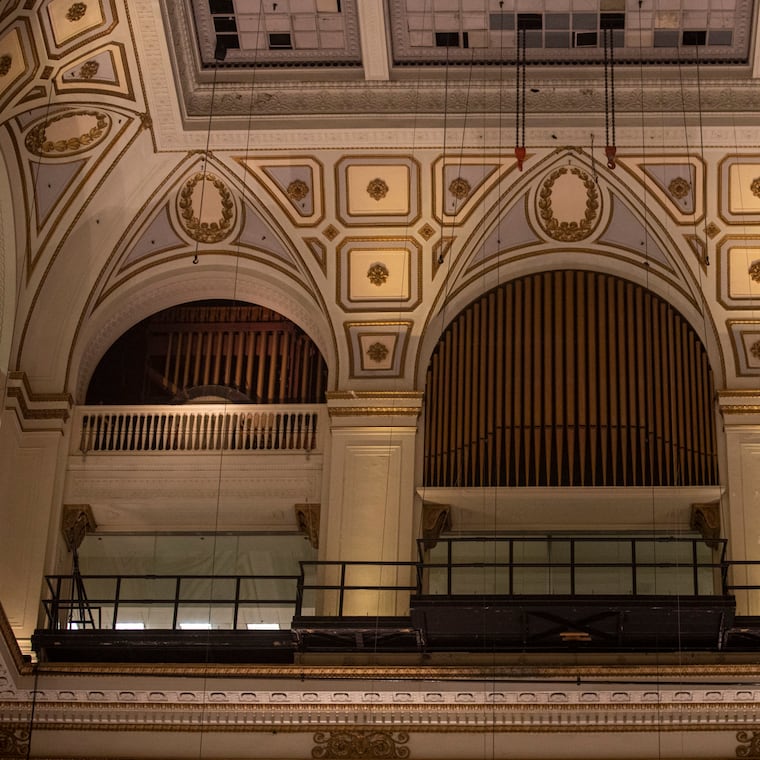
<point x="198" y="427"/>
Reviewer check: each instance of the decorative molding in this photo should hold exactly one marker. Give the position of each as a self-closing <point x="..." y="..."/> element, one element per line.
<point x="5" y="64"/>
<point x="192" y="223"/>
<point x="77" y="521"/>
<point x="568" y="231"/>
<point x="679" y="188"/>
<point x="377" y="352"/>
<point x="37" y="143"/>
<point x="355" y="745"/>
<point x="377" y="189"/>
<point x="426" y="231"/>
<point x="76" y="12"/>
<point x="754" y="271"/>
<point x="297" y="190"/>
<point x="435" y="519"/>
<point x="705" y="519"/>
<point x="330" y="232"/>
<point x="307" y="517"/>
<point x="749" y="744"/>
<point x="14" y="741"/>
<point x="460" y="188"/>
<point x="711" y="230"/>
<point x="37" y="411"/>
<point x="378" y="274"/>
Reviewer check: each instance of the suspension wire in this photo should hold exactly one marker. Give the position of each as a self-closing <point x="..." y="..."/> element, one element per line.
<point x="520" y="66"/>
<point x="609" y="96"/>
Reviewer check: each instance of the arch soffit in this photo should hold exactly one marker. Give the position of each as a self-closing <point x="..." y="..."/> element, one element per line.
<point x="461" y="286"/>
<point x="163" y="287"/>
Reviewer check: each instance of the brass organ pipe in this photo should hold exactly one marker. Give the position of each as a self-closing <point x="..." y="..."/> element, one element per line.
<point x="263" y="340"/>
<point x="485" y="357"/>
<point x="217" y="369"/>
<point x="168" y="359"/>
<point x="198" y="353"/>
<point x="447" y="373"/>
<point x="177" y="361"/>
<point x="284" y="353"/>
<point x="505" y="388"/>
<point x="467" y="395"/>
<point x="249" y="363"/>
<point x="273" y="354"/>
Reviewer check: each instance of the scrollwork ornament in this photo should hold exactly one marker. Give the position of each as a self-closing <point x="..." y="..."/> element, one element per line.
<point x="89" y="69"/>
<point x="754" y="270"/>
<point x="205" y="232"/>
<point x="460" y="188"/>
<point x="750" y="744"/>
<point x="76" y="12"/>
<point x="679" y="188"/>
<point x="568" y="232"/>
<point x="378" y="745"/>
<point x="377" y="189"/>
<point x="297" y="190"/>
<point x="5" y="64"/>
<point x="14" y="741"/>
<point x="378" y="352"/>
<point x="37" y="143"/>
<point x="378" y="274"/>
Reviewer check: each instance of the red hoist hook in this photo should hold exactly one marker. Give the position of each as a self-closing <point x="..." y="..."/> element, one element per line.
<point x="520" y="156"/>
<point x="610" y="151"/>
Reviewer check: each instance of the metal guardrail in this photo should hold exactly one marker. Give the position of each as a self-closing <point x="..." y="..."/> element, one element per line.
<point x="697" y="571"/>
<point x="196" y="427"/>
<point x="695" y="567"/>
<point x="224" y="597"/>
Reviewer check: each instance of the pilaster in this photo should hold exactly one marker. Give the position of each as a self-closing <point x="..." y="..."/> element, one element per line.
<point x="31" y="442"/>
<point x="369" y="501"/>
<point x="741" y="422"/>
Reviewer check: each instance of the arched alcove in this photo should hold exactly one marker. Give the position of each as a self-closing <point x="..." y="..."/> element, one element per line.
<point x="208" y="351"/>
<point x="569" y="378"/>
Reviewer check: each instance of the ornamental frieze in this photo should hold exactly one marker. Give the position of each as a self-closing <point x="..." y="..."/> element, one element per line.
<point x="568" y="205"/>
<point x="378" y="745"/>
<point x="68" y="133"/>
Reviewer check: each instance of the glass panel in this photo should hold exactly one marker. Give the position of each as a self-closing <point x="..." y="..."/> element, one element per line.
<point x="612" y="573"/>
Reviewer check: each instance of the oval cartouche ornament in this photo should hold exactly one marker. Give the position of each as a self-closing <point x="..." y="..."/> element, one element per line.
<point x="222" y="212"/>
<point x="68" y="133"/>
<point x="568" y="205"/>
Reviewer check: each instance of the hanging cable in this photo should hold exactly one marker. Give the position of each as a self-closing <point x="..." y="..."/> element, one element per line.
<point x="609" y="95"/>
<point x="520" y="66"/>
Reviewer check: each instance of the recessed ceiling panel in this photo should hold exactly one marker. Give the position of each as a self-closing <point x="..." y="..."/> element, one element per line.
<point x="277" y="32"/>
<point x="561" y="31"/>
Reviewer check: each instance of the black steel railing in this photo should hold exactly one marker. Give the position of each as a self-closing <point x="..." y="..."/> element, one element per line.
<point x="514" y="566"/>
<point x="574" y="565"/>
<point x="171" y="601"/>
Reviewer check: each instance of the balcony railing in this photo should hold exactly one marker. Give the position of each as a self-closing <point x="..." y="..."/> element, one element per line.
<point x="208" y="427"/>
<point x="512" y="567"/>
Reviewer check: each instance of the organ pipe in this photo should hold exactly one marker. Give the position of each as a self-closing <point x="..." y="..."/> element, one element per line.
<point x="569" y="378"/>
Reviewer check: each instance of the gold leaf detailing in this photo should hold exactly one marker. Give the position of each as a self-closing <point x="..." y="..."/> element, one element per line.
<point x="754" y="270"/>
<point x="754" y="349"/>
<point x="36" y="139"/>
<point x="460" y="188"/>
<point x="679" y="188"/>
<point x="89" y="69"/>
<point x="751" y="742"/>
<point x="568" y="232"/>
<point x="330" y="232"/>
<point x="712" y="230"/>
<point x="426" y="231"/>
<point x="76" y="12"/>
<point x="377" y="745"/>
<point x="205" y="232"/>
<point x="14" y="741"/>
<point x="297" y="190"/>
<point x="5" y="64"/>
<point x="377" y="189"/>
<point x="755" y="187"/>
<point x="377" y="352"/>
<point x="378" y="274"/>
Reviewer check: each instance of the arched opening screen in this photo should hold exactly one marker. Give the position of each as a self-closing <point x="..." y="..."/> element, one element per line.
<point x="211" y="350"/>
<point x="569" y="378"/>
